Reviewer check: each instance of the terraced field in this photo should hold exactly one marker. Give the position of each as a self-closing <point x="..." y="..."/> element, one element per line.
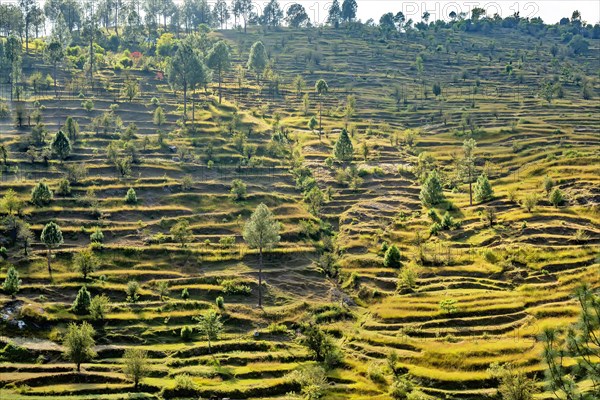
<point x="502" y="284"/>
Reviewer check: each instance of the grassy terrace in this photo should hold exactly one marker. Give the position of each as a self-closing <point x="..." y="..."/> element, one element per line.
<point x="506" y="282"/>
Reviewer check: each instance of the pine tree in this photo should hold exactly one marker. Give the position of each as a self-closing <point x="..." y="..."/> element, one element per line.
<point x="82" y="302"/>
<point x="219" y="60"/>
<point x="257" y="60"/>
<point x="343" y="150"/>
<point x="61" y="145"/>
<point x="41" y="194"/>
<point x="349" y="8"/>
<point x="186" y="70"/>
<point x="431" y="191"/>
<point x="335" y="14"/>
<point x="52" y="237"/>
<point x="12" y="283"/>
<point x="261" y="232"/>
<point x="556" y="197"/>
<point x="321" y="88"/>
<point x="483" y="189"/>
<point x="131" y="197"/>
<point x="467" y="165"/>
<point x="392" y="257"/>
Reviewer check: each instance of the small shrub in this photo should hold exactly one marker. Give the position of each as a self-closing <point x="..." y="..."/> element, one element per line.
<point x="99" y="307"/>
<point x="407" y="279"/>
<point x="392" y="257"/>
<point x="133" y="288"/>
<point x="238" y="190"/>
<point x="186" y="333"/>
<point x="64" y="187"/>
<point x="131" y="197"/>
<point x="277" y="329"/>
<point x="448" y="306"/>
<point x="233" y="287"/>
<point x="227" y="241"/>
<point x="88" y="105"/>
<point x="556" y="197"/>
<point x="220" y="302"/>
<point x="184" y="382"/>
<point x="490" y="256"/>
<point x="97" y="236"/>
<point x="185" y="294"/>
<point x="376" y="374"/>
<point x="530" y="201"/>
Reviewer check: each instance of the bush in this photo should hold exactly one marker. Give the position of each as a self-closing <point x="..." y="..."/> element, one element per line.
<point x="64" y="187"/>
<point x="490" y="256"/>
<point x="277" y="329"/>
<point x="133" y="288"/>
<point x="392" y="257"/>
<point x="448" y="306"/>
<point x="99" y="307"/>
<point x="400" y="388"/>
<point x="88" y="105"/>
<point x="435" y="228"/>
<point x="321" y="346"/>
<point x="97" y="236"/>
<point x="483" y="189"/>
<point x="186" y="333"/>
<point x="233" y="287"/>
<point x="376" y="374"/>
<point x="238" y="190"/>
<point x="220" y="302"/>
<point x="312" y="380"/>
<point x="185" y="294"/>
<point x="185" y="383"/>
<point x="433" y="215"/>
<point x="447" y="221"/>
<point x="131" y="197"/>
<point x="227" y="241"/>
<point x="407" y="279"/>
<point x="548" y="184"/>
<point x="4" y="110"/>
<point x="530" y="202"/>
<point x="556" y="197"/>
<point x="12" y="283"/>
<point x="384" y="247"/>
<point x="14" y="353"/>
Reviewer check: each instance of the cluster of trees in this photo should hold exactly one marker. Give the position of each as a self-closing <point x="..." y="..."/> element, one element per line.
<point x="479" y="21"/>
